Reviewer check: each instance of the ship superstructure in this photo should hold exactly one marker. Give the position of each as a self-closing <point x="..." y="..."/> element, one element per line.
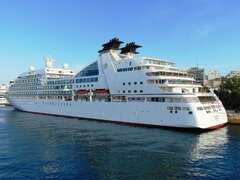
<point x="119" y="87"/>
<point x="3" y="100"/>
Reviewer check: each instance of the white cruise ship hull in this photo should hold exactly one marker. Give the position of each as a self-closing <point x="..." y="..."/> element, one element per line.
<point x="134" y="113"/>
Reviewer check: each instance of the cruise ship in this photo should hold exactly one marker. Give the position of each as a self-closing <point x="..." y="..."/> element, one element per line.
<point x="3" y="100"/>
<point x="119" y="87"/>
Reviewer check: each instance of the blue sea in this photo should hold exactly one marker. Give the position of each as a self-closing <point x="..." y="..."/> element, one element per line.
<point x="41" y="146"/>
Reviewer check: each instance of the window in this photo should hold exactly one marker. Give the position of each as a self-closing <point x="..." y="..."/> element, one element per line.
<point x="207" y="99"/>
<point x="137" y="68"/>
<point x="129" y="83"/>
<point x="136" y="99"/>
<point x="177" y="108"/>
<point x="135" y="83"/>
<point x="135" y="91"/>
<point x="90" y="70"/>
<point x="156" y="99"/>
<point x="123" y="91"/>
<point x="141" y="91"/>
<point x="124" y="84"/>
<point x="185" y="108"/>
<point x="129" y="91"/>
<point x="170" y="108"/>
<point x="141" y="82"/>
<point x="207" y="107"/>
<point x="199" y="108"/>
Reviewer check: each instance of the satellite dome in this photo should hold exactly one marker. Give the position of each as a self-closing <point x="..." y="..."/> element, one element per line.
<point x="65" y="66"/>
<point x="31" y="68"/>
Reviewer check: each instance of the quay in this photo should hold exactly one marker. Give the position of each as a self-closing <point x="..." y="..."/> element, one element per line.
<point x="233" y="117"/>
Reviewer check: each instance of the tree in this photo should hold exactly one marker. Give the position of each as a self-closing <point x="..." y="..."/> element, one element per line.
<point x="229" y="93"/>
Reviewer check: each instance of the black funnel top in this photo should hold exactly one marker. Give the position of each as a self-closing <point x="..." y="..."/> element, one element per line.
<point x="112" y="44"/>
<point x="130" y="48"/>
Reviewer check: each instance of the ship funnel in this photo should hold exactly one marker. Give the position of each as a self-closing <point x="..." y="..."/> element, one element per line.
<point x="112" y="44"/>
<point x="130" y="48"/>
<point x="49" y="62"/>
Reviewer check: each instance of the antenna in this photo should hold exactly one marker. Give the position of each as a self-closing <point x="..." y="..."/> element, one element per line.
<point x="49" y="62"/>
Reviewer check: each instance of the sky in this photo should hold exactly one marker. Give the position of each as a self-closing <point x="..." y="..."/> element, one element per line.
<point x="203" y="33"/>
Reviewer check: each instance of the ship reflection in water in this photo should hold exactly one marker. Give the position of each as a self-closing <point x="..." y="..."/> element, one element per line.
<point x="53" y="147"/>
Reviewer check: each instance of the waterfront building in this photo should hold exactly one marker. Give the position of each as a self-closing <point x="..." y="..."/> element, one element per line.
<point x="233" y="74"/>
<point x="198" y="73"/>
<point x="213" y="79"/>
<point x="213" y="75"/>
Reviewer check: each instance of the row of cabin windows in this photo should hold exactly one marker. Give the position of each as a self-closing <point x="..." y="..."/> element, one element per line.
<point x="30" y="76"/>
<point x="21" y="93"/>
<point x="39" y="92"/>
<point x="56" y="92"/>
<point x="22" y="97"/>
<point x="135" y="83"/>
<point x="58" y="87"/>
<point x="24" y="84"/>
<point x="87" y="80"/>
<point x="59" y="104"/>
<point x="60" y="82"/>
<point x="26" y="81"/>
<point x="59" y="71"/>
<point x="173" y="99"/>
<point x="58" y="76"/>
<point x="129" y="91"/>
<point x="214" y="108"/>
<point x="129" y="69"/>
<point x="86" y="85"/>
<point x="22" y="88"/>
<point x="177" y="108"/>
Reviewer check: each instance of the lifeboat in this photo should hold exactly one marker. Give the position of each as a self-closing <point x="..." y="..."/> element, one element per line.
<point x="101" y="91"/>
<point x="82" y="92"/>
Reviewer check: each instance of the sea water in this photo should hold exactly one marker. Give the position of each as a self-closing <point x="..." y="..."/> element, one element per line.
<point x="42" y="146"/>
